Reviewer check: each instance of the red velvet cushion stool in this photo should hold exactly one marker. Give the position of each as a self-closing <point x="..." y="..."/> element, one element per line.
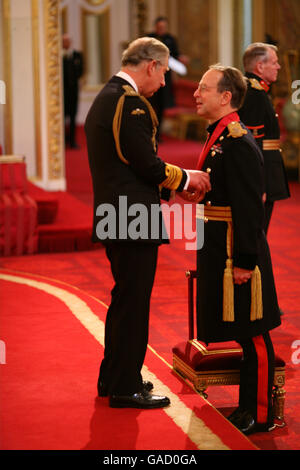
<point x="218" y="363"/>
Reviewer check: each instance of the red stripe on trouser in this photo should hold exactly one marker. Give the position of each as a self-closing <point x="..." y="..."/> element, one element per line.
<point x="262" y="379"/>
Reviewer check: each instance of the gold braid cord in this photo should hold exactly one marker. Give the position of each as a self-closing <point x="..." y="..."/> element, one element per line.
<point x="256" y="313"/>
<point x="172" y="172"/>
<point x="118" y="119"/>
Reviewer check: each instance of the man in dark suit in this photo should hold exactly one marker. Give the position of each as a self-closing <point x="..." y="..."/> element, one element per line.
<point x="128" y="177"/>
<point x="261" y="67"/>
<point x="72" y="71"/>
<point x="236" y="296"/>
<point x="164" y="97"/>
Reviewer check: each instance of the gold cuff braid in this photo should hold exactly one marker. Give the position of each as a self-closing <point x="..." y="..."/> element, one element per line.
<point x="173" y="177"/>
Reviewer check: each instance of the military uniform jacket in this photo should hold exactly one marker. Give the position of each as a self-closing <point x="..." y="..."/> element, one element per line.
<point x="120" y="132"/>
<point x="236" y="172"/>
<point x="258" y="114"/>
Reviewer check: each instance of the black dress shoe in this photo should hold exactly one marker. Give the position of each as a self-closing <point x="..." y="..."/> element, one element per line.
<point x="247" y="425"/>
<point x="147" y="387"/>
<point x="142" y="400"/>
<point x="235" y="415"/>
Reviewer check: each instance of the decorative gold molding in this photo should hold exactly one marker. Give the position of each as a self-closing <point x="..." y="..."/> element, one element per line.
<point x="6" y="18"/>
<point x="95" y="2"/>
<point x="36" y="87"/>
<point x="142" y="16"/>
<point x="53" y="83"/>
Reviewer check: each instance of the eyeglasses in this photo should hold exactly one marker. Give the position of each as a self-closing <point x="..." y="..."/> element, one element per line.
<point x="205" y="87"/>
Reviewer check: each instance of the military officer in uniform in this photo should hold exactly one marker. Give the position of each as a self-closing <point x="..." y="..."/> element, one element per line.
<point x="261" y="67"/>
<point x="121" y="138"/>
<point x="236" y="297"/>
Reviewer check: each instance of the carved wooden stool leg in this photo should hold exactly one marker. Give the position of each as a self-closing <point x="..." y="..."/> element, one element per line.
<point x="201" y="390"/>
<point x="278" y="404"/>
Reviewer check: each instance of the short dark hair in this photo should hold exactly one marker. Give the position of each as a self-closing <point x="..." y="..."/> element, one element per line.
<point x="161" y="18"/>
<point x="256" y="52"/>
<point x="144" y="49"/>
<point x="234" y="81"/>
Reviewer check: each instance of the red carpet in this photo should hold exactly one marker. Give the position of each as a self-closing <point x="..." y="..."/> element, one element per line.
<point x="57" y="357"/>
<point x="48" y="382"/>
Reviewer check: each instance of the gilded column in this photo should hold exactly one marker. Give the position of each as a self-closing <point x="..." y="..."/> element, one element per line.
<point x="54" y="93"/>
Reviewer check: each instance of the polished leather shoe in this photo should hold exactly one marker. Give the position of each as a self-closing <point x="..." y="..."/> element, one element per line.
<point x="244" y="421"/>
<point x="235" y="415"/>
<point x="147" y="387"/>
<point x="142" y="400"/>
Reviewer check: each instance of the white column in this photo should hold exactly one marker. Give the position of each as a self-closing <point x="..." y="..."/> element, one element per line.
<point x="247" y="23"/>
<point x="23" y="122"/>
<point x="225" y="32"/>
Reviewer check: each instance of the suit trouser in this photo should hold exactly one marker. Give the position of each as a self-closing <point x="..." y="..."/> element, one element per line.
<point x="133" y="267"/>
<point x="257" y="377"/>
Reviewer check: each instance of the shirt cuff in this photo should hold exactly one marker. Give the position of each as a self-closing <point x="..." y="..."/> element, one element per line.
<point x="187" y="180"/>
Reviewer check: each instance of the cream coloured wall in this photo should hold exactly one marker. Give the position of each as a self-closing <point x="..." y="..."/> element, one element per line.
<point x="23" y="123"/>
<point x="119" y="32"/>
<point x="2" y="100"/>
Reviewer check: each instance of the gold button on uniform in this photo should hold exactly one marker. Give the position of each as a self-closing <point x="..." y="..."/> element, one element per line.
<point x="222" y="137"/>
<point x="208" y="203"/>
<point x="205" y="220"/>
<point x="208" y="170"/>
<point x="213" y="153"/>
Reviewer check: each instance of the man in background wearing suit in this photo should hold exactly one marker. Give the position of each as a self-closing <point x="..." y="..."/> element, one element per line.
<point x="164" y="97"/>
<point x="257" y="113"/>
<point x="121" y="138"/>
<point x="72" y="71"/>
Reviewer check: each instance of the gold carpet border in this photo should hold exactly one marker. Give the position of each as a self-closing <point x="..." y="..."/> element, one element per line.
<point x="182" y="416"/>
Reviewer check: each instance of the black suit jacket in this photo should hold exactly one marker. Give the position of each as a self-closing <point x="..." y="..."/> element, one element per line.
<point x="258" y="114"/>
<point x="72" y="71"/>
<point x="135" y="181"/>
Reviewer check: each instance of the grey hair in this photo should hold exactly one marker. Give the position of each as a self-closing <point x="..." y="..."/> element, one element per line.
<point x="144" y="49"/>
<point x="258" y="51"/>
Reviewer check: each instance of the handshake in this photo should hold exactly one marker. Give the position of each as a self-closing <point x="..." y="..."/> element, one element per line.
<point x="198" y="186"/>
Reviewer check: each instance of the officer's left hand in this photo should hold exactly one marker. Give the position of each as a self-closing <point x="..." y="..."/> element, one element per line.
<point x="240" y="275"/>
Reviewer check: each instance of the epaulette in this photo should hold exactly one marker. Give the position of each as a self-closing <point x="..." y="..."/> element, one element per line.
<point x="235" y="130"/>
<point x="255" y="84"/>
<point x="129" y="91"/>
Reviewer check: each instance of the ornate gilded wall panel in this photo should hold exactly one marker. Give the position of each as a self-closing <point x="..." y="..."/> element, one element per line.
<point x="282" y="26"/>
<point x="197" y="36"/>
<point x="54" y="98"/>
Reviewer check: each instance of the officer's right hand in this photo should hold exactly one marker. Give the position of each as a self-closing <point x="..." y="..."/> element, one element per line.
<point x="199" y="181"/>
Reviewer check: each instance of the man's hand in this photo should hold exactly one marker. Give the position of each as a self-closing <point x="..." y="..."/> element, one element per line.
<point x="199" y="182"/>
<point x="240" y="276"/>
<point x="194" y="196"/>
